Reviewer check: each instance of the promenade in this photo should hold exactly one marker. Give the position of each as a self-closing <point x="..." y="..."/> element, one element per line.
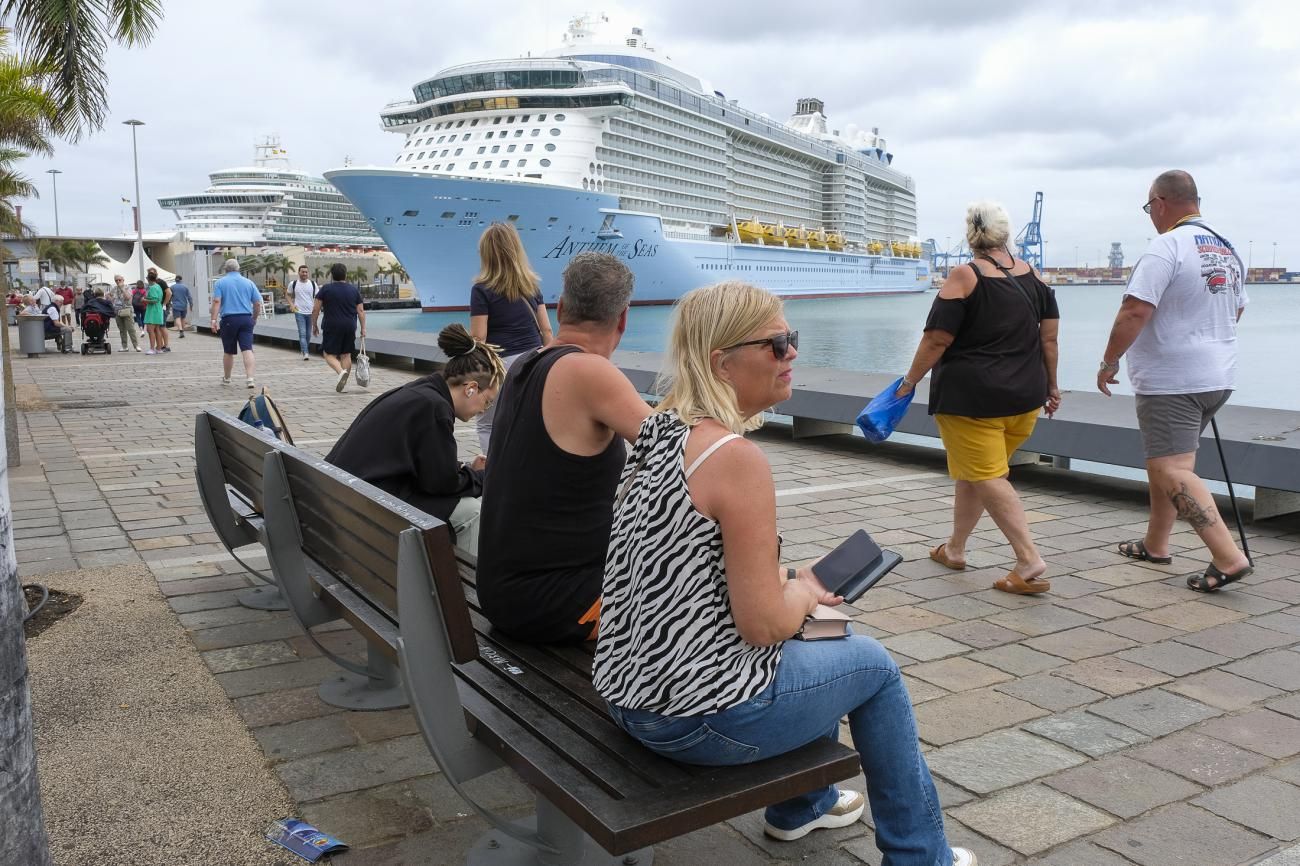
<point x="1119" y="719"/>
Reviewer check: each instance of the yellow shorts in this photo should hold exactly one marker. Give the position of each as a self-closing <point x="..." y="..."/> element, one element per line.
<point x="979" y="448"/>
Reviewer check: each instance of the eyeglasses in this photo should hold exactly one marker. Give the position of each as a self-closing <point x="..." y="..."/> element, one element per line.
<point x="1146" y="208"/>
<point x="781" y="344"/>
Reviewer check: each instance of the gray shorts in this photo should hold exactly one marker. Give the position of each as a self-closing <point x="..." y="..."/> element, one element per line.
<point x="1173" y="423"/>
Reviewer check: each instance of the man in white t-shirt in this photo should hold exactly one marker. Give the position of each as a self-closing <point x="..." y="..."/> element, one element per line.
<point x="1178" y="326"/>
<point x="302" y="297"/>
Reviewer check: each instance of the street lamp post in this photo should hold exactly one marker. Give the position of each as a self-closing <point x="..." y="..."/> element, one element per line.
<point x="139" y="215"/>
<point x="1275" y="255"/>
<point x="54" y="178"/>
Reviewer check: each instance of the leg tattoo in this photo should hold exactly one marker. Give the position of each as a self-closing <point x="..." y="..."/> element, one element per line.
<point x="1191" y="510"/>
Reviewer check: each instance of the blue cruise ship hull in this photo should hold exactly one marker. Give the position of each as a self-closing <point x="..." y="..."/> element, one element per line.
<point x="432" y="223"/>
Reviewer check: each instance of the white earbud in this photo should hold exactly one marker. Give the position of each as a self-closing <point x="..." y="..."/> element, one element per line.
<point x="472" y="392"/>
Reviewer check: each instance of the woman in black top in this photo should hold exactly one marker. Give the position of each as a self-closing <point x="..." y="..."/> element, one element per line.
<point x="991" y="342"/>
<point x="404" y="441"/>
<point x="505" y="305"/>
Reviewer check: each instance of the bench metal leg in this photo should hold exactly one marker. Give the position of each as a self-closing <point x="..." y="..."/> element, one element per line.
<point x="266" y="597"/>
<point x="572" y="846"/>
<point x="1274" y="503"/>
<point x="381" y="690"/>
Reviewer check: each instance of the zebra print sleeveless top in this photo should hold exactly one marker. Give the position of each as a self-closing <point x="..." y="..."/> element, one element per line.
<point x="668" y="642"/>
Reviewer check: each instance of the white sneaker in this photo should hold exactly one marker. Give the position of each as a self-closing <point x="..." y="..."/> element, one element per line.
<point x="306" y="357"/>
<point x="963" y="857"/>
<point x="846" y="811"/>
<point x="249" y="382"/>
<point x="225" y="380"/>
<point x="343" y="380"/>
<point x="137" y="348"/>
<point x="150" y="352"/>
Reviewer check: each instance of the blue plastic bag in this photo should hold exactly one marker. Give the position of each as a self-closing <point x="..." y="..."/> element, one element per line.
<point x="883" y="413"/>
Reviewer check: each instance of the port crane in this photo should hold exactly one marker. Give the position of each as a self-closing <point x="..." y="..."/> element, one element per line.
<point x="1029" y="242"/>
<point x="944" y="261"/>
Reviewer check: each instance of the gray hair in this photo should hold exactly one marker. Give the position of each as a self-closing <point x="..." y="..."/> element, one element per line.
<point x="597" y="288"/>
<point x="232" y="264"/>
<point x="988" y="227"/>
<point x="1176" y="185"/>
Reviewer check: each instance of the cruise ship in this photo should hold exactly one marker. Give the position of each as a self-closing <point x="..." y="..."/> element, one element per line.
<point x="270" y="203"/>
<point x="605" y="144"/>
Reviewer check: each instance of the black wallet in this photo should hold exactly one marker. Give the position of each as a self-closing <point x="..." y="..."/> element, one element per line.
<point x="855" y="566"/>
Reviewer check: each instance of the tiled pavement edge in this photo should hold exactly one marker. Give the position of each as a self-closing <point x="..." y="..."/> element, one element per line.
<point x="1120" y="719"/>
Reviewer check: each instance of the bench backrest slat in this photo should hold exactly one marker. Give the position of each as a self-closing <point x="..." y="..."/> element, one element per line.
<point x="352" y="529"/>
<point x="242" y="449"/>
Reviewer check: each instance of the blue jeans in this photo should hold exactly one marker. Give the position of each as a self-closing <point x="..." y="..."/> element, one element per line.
<point x="816" y="683"/>
<point x="304" y="330"/>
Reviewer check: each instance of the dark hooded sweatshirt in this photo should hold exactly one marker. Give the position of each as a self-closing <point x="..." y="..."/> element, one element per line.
<point x="403" y="443"/>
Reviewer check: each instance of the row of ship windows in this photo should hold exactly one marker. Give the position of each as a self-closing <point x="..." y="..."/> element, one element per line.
<point x="793" y="269"/>
<point x="496" y="148"/>
<point x="468" y="136"/>
<point x="504" y="103"/>
<point x="504" y="163"/>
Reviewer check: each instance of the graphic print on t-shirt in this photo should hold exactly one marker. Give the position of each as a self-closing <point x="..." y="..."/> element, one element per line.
<point x="1218" y="265"/>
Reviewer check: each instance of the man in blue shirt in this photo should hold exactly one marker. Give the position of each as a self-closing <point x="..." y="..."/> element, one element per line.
<point x="341" y="302"/>
<point x="181" y="302"/>
<point x="236" y="304"/>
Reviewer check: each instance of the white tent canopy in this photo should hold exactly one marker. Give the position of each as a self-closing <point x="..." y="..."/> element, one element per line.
<point x="131" y="268"/>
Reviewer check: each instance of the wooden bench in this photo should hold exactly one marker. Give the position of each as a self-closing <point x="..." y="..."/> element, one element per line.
<point x="228" y="458"/>
<point x="483" y="700"/>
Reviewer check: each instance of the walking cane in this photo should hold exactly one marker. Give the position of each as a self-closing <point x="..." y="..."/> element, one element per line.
<point x="1232" y="496"/>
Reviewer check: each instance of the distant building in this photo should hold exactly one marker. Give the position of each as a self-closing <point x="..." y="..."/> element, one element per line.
<point x="1116" y="256"/>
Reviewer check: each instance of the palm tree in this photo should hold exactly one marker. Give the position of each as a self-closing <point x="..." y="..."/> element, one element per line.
<point x="71" y="40"/>
<point x="318" y="274"/>
<point x="381" y="272"/>
<point x="250" y="265"/>
<point x="85" y="253"/>
<point x="55" y="254"/>
<point x="358" y="275"/>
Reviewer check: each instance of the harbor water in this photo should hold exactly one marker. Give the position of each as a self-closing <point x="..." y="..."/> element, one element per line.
<point x="879" y="335"/>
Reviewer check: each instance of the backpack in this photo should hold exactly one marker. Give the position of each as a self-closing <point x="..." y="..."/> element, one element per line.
<point x="293" y="289"/>
<point x="261" y="412"/>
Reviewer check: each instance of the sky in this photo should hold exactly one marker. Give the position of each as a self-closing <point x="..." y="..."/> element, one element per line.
<point x="992" y="100"/>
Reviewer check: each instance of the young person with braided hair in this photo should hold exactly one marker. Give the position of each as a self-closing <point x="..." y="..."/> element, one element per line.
<point x="404" y="441"/>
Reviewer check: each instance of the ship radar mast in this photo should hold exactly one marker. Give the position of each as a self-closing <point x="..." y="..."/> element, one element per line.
<point x="267" y="153"/>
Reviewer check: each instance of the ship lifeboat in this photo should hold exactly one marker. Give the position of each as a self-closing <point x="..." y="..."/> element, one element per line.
<point x="835" y="241"/>
<point x="751" y="231"/>
<point x="817" y="239"/>
<point x="774" y="234"/>
<point x="796" y="237"/>
<point x="875" y="247"/>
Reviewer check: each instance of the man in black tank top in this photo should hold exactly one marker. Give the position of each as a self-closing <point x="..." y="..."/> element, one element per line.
<point x="554" y="463"/>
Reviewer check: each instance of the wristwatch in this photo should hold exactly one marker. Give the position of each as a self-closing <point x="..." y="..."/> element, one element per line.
<point x="1106" y="366"/>
<point x="791" y="574"/>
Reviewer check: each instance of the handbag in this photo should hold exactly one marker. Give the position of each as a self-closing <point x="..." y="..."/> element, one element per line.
<point x="879" y="418"/>
<point x="361" y="369"/>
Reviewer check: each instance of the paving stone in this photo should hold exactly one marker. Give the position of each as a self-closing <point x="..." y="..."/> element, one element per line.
<point x="1200" y="758"/>
<point x="924" y="646"/>
<point x="1080" y="854"/>
<point x="272" y="678"/>
<point x="1018" y="659"/>
<point x="1222" y="689"/>
<point x="979" y="634"/>
<point x="1099" y="607"/>
<point x="1112" y="676"/>
<point x="1290" y="705"/>
<point x="1288" y="772"/>
<point x="1040" y="620"/>
<point x="1050" y="692"/>
<point x="1262" y="731"/>
<point x="1269" y="806"/>
<point x="318" y="776"/>
<point x="1084" y="732"/>
<point x="1121" y="574"/>
<point x="1155" y="712"/>
<point x="1122" y="786"/>
<point x="1234" y="599"/>
<point x="1191" y="615"/>
<point x="1280" y="668"/>
<point x="371" y="817"/>
<point x="1286" y="623"/>
<point x="1176" y="659"/>
<point x="1286" y="590"/>
<point x="279" y="626"/>
<point x="1149" y="596"/>
<point x="204" y="600"/>
<point x="306" y="737"/>
<point x="1236" y="640"/>
<point x="1032" y="818"/>
<point x="1182" y="835"/>
<point x="221" y="616"/>
<point x="961" y="607"/>
<point x="202" y="584"/>
<point x="957" y="674"/>
<point x="969" y="714"/>
<point x="898" y="620"/>
<point x="999" y="760"/>
<point x="920" y="691"/>
<point x="1289" y="857"/>
<point x="1079" y="643"/>
<point x="248" y="656"/>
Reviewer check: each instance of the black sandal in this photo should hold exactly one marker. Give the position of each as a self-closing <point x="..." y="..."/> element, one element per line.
<point x="1137" y="549"/>
<point x="1202" y="582"/>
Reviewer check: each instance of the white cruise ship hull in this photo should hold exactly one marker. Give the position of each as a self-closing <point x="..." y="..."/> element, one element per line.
<point x="432" y="223"/>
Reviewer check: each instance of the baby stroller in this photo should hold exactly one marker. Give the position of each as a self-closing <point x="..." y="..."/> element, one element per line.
<point x="94" y="325"/>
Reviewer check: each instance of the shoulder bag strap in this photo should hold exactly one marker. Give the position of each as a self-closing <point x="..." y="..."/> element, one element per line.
<point x="1024" y="293"/>
<point x="1226" y="243"/>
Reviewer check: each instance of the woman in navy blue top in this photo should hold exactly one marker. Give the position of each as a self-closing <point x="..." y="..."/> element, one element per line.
<point x="505" y="305"/>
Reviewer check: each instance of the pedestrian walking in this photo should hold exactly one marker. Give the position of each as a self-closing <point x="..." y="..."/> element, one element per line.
<point x="1177" y="326"/>
<point x="338" y="307"/>
<point x="991" y="340"/>
<point x="67" y="299"/>
<point x="236" y="306"/>
<point x="79" y="303"/>
<point x="138" y="303"/>
<point x="154" y="322"/>
<point x="302" y="301"/>
<point x="163" y="336"/>
<point x="181" y="302"/>
<point x="505" y="306"/>
<point x="123" y="312"/>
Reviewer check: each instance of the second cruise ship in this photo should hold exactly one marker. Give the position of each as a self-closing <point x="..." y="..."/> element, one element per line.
<point x="607" y="145"/>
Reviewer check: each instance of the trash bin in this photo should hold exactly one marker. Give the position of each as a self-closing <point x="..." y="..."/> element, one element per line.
<point x="31" y="335"/>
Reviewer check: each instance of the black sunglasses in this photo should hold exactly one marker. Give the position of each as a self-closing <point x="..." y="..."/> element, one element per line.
<point x="781" y="344"/>
<point x="1146" y="208"/>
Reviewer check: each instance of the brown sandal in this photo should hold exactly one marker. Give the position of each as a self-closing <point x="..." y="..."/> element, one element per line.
<point x="940" y="555"/>
<point x="1013" y="583"/>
